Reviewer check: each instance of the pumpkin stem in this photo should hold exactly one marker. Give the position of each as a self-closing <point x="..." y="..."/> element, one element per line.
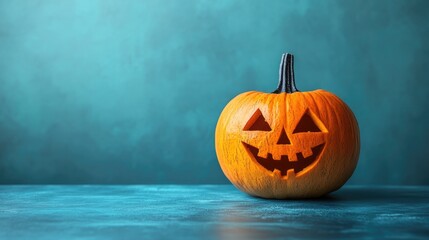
<point x="286" y="75"/>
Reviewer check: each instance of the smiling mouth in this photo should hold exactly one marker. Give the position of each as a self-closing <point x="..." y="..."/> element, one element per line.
<point x="284" y="165"/>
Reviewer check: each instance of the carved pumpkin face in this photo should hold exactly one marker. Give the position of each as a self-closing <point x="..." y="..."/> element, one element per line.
<point x="287" y="144"/>
<point x="291" y="148"/>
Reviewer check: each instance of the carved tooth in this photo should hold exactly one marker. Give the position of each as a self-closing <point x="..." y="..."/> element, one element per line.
<point x="277" y="173"/>
<point x="262" y="153"/>
<point x="307" y="152"/>
<point x="290" y="174"/>
<point x="277" y="156"/>
<point x="293" y="158"/>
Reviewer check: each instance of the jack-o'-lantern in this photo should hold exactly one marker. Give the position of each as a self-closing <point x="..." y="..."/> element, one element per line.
<point x="287" y="144"/>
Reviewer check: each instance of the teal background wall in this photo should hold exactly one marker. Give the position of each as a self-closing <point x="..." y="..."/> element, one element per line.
<point x="130" y="91"/>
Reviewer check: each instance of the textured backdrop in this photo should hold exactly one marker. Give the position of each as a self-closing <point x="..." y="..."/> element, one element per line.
<point x="130" y="91"/>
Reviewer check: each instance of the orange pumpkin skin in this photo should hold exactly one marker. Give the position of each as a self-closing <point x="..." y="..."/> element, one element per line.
<point x="265" y="150"/>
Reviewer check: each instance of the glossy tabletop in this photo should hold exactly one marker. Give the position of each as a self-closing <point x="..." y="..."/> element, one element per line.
<point x="208" y="212"/>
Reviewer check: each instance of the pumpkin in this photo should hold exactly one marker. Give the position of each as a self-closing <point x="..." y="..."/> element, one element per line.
<point x="288" y="143"/>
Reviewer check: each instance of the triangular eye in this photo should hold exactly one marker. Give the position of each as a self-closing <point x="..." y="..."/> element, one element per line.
<point x="306" y="124"/>
<point x="257" y="123"/>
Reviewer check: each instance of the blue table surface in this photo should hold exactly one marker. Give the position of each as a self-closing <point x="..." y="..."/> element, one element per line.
<point x="208" y="212"/>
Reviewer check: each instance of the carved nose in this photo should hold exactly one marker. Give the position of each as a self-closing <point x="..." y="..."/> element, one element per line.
<point x="283" y="138"/>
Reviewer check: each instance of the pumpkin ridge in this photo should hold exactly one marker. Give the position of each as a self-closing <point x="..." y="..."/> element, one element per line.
<point x="352" y="121"/>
